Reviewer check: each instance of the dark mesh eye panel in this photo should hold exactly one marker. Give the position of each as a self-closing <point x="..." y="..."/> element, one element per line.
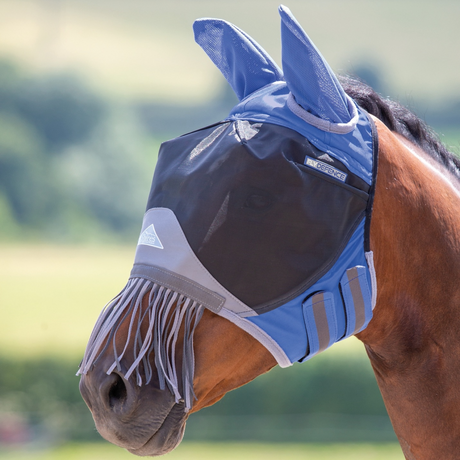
<point x="263" y="224"/>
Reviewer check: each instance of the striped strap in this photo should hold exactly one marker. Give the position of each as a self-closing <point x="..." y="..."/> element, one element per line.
<point x="320" y="315"/>
<point x="357" y="299"/>
<point x="320" y="321"/>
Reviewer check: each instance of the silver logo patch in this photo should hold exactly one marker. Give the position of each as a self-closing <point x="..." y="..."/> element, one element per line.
<point x="149" y="237"/>
<point x="325" y="168"/>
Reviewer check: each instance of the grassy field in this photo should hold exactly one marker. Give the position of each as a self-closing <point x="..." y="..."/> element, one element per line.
<point x="146" y="47"/>
<point x="51" y="296"/>
<point x="238" y="451"/>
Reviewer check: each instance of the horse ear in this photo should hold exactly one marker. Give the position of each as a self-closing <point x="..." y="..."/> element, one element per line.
<point x="244" y="64"/>
<point x="308" y="76"/>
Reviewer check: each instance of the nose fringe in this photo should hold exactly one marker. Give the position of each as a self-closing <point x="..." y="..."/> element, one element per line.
<point x="166" y="314"/>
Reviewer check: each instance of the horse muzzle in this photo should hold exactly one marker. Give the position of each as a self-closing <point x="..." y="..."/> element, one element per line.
<point x="142" y="419"/>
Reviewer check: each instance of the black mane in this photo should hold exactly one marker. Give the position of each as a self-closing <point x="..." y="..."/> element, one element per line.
<point x="402" y="121"/>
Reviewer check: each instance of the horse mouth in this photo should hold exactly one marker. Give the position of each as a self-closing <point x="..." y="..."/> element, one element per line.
<point x="167" y="436"/>
<point x="144" y="420"/>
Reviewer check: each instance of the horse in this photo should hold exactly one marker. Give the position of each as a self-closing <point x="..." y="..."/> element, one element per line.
<point x="140" y="396"/>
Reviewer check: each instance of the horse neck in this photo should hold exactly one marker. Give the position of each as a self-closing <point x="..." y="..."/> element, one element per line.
<point x="412" y="341"/>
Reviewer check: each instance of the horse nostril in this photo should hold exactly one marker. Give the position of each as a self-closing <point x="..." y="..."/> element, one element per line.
<point x="117" y="392"/>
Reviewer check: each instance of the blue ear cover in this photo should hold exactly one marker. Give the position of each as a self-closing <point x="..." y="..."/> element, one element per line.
<point x="307" y="74"/>
<point x="244" y="63"/>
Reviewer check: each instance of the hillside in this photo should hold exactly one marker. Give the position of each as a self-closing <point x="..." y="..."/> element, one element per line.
<point x="145" y="48"/>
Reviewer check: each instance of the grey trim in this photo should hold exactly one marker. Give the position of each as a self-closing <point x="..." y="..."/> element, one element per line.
<point x="324" y="125"/>
<point x="178" y="257"/>
<point x="322" y="324"/>
<point x="260" y="335"/>
<point x="181" y="284"/>
<point x="370" y="262"/>
<point x="358" y="301"/>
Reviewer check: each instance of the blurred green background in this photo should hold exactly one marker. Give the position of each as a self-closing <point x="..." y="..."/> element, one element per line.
<point x="88" y="91"/>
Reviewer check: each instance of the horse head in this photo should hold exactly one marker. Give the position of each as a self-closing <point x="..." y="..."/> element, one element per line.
<point x="254" y="250"/>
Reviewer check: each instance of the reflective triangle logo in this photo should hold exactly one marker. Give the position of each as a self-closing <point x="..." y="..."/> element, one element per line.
<point x="149" y="237"/>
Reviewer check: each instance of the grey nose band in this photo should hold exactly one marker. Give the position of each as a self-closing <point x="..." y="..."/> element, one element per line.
<point x="181" y="268"/>
<point x="209" y="299"/>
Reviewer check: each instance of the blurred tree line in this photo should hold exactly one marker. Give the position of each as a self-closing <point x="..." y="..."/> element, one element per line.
<point x="75" y="166"/>
<point x="72" y="165"/>
<point x="332" y="398"/>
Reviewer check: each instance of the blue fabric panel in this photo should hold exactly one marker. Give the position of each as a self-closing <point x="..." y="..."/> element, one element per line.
<point x="285" y="324"/>
<point x="308" y="75"/>
<point x="268" y="105"/>
<point x="357" y="297"/>
<point x="242" y="61"/>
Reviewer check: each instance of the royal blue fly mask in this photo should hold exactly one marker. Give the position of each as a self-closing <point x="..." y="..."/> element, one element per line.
<point x="262" y="218"/>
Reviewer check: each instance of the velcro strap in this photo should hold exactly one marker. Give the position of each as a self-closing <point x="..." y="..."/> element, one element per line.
<point x="320" y="322"/>
<point x="357" y="299"/>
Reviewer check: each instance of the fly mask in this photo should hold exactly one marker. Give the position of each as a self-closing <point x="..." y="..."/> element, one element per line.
<point x="262" y="218"/>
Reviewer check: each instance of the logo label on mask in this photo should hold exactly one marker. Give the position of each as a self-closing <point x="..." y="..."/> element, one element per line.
<point x="325" y="168"/>
<point x="149" y="237"/>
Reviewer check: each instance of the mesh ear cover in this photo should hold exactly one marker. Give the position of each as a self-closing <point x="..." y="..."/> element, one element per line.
<point x="242" y="61"/>
<point x="308" y="75"/>
<point x="261" y="222"/>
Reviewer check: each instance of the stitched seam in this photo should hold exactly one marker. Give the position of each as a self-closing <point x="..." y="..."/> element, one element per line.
<point x="187" y="280"/>
<point x="170" y="286"/>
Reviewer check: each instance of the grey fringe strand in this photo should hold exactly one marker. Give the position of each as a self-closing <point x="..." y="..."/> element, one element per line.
<point x="167" y="310"/>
